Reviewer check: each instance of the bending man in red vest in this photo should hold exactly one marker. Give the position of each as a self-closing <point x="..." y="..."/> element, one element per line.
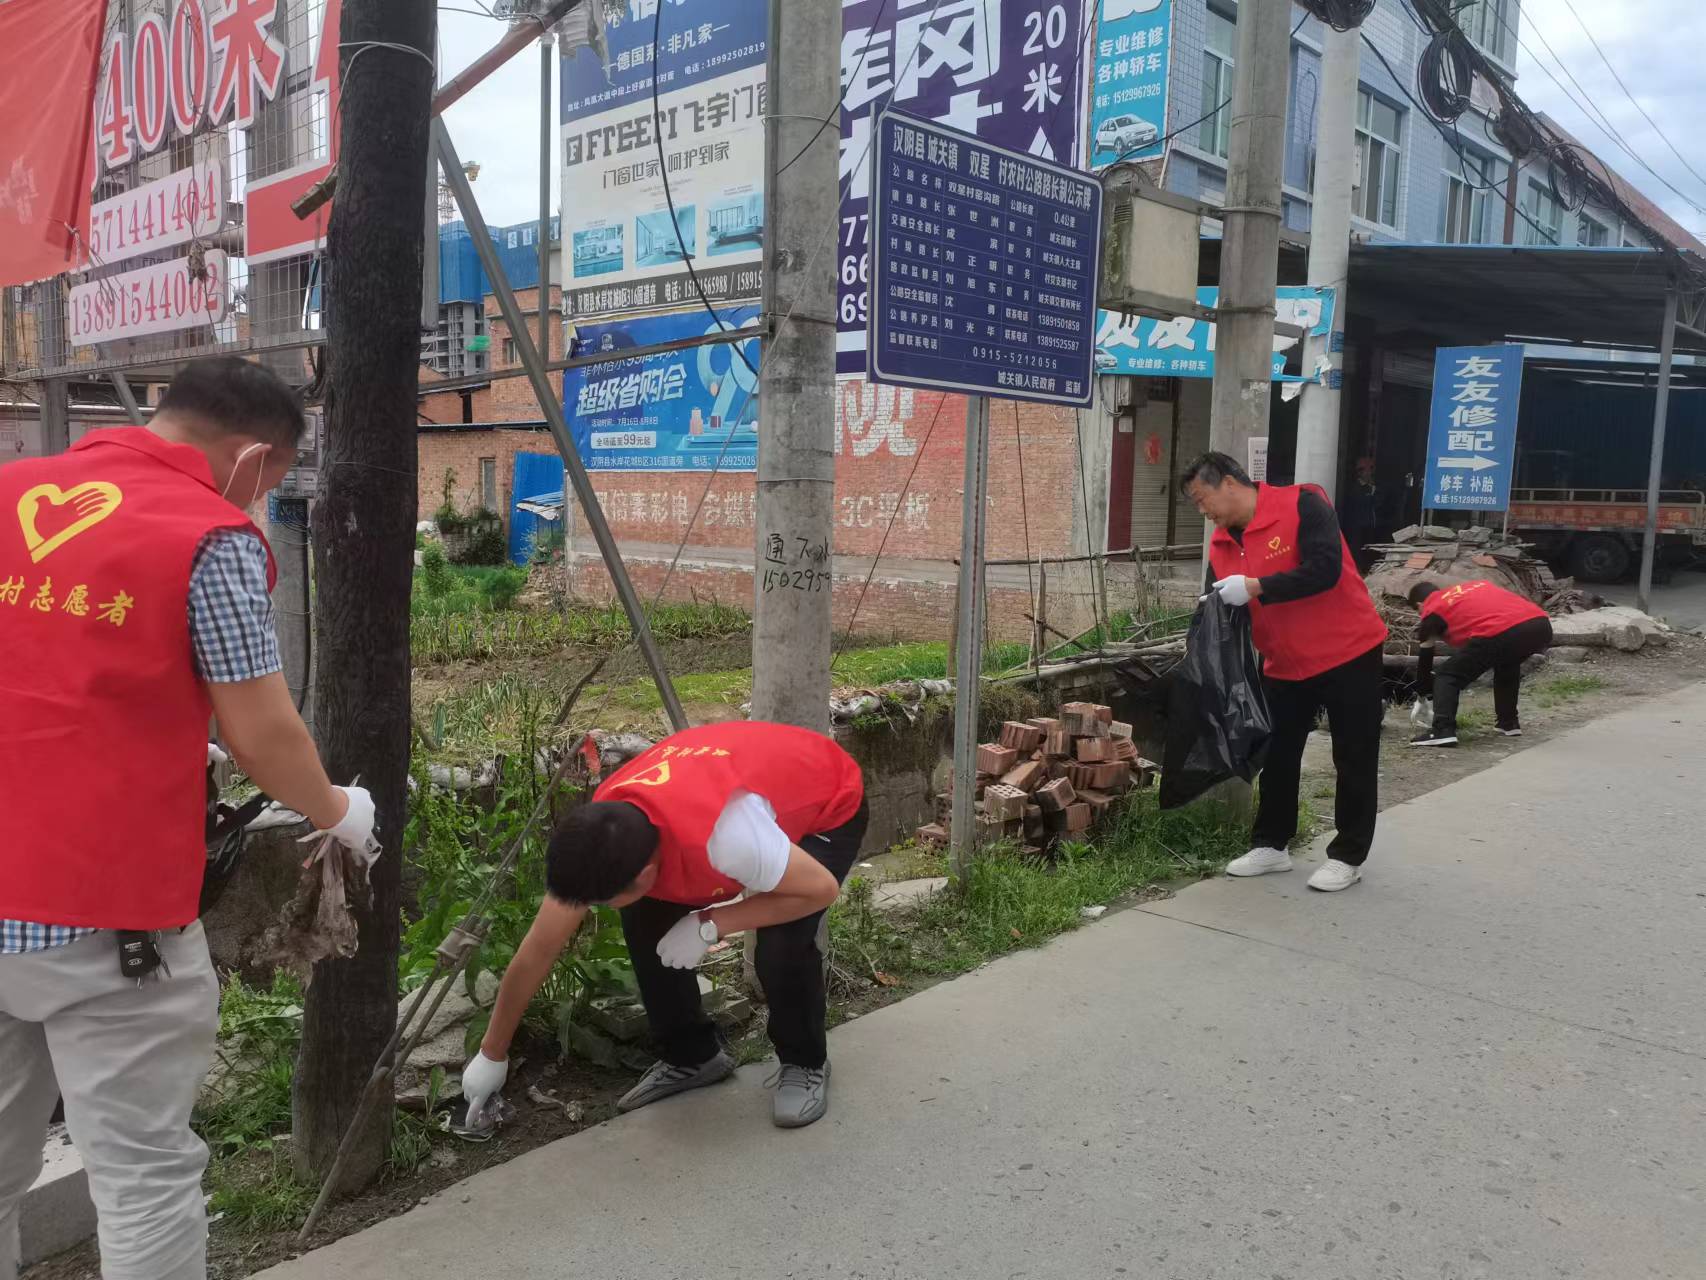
<point x="133" y="606"/>
<point x="767" y="811"/>
<point x="1488" y="627"/>
<point x="1277" y="549"/>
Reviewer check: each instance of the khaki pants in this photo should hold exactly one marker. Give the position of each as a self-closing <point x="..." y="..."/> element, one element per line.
<point x="129" y="1061"/>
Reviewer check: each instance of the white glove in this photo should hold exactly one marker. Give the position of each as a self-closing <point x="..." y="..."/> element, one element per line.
<point x="1233" y="590"/>
<point x="215" y="755"/>
<point x="482" y="1078"/>
<point x="355" y="828"/>
<point x="1422" y="712"/>
<point x="682" y="947"/>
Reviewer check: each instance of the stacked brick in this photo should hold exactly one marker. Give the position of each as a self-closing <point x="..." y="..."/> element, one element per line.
<point x="1049" y="777"/>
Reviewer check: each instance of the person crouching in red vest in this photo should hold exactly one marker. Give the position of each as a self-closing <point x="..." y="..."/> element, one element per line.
<point x="133" y="607"/>
<point x="1488" y="627"/>
<point x="767" y="813"/>
<point x="1277" y="549"/>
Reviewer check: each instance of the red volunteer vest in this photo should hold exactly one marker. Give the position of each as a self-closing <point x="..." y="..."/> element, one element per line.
<point x="1300" y="638"/>
<point x="104" y="751"/>
<point x="683" y="782"/>
<point x="1476" y="610"/>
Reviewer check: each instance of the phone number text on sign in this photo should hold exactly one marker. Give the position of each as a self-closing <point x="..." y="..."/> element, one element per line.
<point x="158" y="215"/>
<point x="151" y="299"/>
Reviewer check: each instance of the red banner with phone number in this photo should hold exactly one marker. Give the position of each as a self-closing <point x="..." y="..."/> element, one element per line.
<point x="47" y="108"/>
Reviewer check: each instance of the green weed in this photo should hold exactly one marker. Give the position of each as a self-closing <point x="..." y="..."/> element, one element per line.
<point x="1008" y="900"/>
<point x="1563" y="689"/>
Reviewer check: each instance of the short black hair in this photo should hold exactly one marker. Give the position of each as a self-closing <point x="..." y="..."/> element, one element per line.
<point x="1421" y="589"/>
<point x="230" y="396"/>
<point x="598" y="851"/>
<point x="1212" y="468"/>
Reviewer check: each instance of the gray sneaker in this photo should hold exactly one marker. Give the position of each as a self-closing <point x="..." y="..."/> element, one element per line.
<point x="802" y="1095"/>
<point x="664" y="1079"/>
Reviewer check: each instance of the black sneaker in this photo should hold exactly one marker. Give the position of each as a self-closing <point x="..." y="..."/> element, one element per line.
<point x="1431" y="739"/>
<point x="1515" y="731"/>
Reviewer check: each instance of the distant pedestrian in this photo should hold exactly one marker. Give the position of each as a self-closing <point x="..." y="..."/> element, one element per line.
<point x="1489" y="628"/>
<point x="1277" y="549"/>
<point x="1362" y="508"/>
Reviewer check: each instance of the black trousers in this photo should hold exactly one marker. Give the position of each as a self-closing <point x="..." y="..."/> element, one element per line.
<point x="790" y="967"/>
<point x="1504" y="653"/>
<point x="1351" y="695"/>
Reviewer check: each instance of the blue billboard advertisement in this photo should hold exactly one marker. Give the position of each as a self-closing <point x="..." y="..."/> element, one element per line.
<point x="689" y="410"/>
<point x="1128" y="88"/>
<point x="1184" y="347"/>
<point x="1010" y="73"/>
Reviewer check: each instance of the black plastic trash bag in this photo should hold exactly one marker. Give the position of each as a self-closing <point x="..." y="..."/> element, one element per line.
<point x="1217" y="714"/>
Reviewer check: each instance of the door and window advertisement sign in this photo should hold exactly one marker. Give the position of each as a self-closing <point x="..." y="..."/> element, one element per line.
<point x="625" y="247"/>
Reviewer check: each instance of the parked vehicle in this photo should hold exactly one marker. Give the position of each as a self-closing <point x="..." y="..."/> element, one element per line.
<point x="1597" y="532"/>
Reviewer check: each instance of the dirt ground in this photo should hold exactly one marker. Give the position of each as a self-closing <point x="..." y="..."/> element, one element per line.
<point x="1548" y="707"/>
<point x="1554" y="700"/>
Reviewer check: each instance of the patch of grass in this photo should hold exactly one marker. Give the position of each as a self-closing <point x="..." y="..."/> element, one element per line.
<point x="258" y="1193"/>
<point x="1563" y="689"/>
<point x="923" y="660"/>
<point x="1009" y="901"/>
<point x="249" y="1102"/>
<point x="463" y="626"/>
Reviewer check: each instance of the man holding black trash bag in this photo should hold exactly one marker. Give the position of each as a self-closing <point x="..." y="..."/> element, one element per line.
<point x="1277" y="550"/>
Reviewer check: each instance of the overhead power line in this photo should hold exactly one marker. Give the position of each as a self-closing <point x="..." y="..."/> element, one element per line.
<point x="1593" y="40"/>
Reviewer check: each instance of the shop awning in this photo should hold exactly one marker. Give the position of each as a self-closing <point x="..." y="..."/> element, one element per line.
<point x="1439" y="295"/>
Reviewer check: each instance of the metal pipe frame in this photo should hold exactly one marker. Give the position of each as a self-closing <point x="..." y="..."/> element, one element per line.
<point x="552" y="407"/>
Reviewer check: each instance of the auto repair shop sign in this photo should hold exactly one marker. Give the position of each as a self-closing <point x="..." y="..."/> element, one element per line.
<point x="1128" y="92"/>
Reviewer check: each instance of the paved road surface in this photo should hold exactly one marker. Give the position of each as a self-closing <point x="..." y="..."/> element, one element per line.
<point x="1484" y="1061"/>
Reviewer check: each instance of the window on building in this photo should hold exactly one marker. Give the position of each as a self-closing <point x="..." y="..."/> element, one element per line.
<point x="489" y="483"/>
<point x="1473" y="201"/>
<point x="509" y="352"/>
<point x="1591" y="233"/>
<point x="1219" y="40"/>
<point x="1379" y="160"/>
<point x="1489" y="24"/>
<point x="1544" y="216"/>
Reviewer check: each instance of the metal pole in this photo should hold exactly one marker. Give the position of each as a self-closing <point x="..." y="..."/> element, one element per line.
<point x="968" y="670"/>
<point x="546" y="133"/>
<point x="793" y="583"/>
<point x="552" y="405"/>
<point x="1249" y="270"/>
<point x="1650" y="538"/>
<point x="127" y="398"/>
<point x="1319" y="412"/>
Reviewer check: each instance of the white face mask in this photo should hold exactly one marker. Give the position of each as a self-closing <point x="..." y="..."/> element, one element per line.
<point x="238" y="466"/>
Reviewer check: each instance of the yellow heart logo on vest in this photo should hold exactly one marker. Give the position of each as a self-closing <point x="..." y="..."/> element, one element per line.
<point x="91" y="502"/>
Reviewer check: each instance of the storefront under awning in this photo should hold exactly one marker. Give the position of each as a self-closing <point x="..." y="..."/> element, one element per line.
<point x="1643" y="304"/>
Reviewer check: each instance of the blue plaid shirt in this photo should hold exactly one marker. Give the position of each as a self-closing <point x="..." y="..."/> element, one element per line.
<point x="232" y="635"/>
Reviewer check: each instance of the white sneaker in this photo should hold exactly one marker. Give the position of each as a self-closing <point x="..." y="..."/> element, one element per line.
<point x="1259" y="862"/>
<point x="1335" y="875"/>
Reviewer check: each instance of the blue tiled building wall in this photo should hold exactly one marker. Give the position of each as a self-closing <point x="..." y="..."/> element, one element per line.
<point x="460" y="278"/>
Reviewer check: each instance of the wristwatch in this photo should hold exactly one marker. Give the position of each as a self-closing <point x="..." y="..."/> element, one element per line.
<point x="708" y="928"/>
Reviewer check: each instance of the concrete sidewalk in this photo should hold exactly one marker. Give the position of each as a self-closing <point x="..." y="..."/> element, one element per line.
<point x="1487" y="1060"/>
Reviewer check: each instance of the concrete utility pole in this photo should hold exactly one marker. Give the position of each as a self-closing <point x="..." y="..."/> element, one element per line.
<point x="547" y="153"/>
<point x="1318" y="416"/>
<point x="793" y="583"/>
<point x="1249" y="255"/>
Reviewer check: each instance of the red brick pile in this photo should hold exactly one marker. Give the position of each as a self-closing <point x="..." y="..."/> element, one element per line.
<point x="1049" y="777"/>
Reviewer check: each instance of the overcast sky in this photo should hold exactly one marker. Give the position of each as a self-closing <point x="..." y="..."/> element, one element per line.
<point x="497" y="124"/>
<point x="1655" y="45"/>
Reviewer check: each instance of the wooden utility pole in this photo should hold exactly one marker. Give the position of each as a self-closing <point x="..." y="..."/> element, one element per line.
<point x="364" y="537"/>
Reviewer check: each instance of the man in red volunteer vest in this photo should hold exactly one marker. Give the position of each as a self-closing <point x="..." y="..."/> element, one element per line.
<point x="1277" y="549"/>
<point x="133" y="607"/>
<point x="767" y="813"/>
<point x="1490" y="628"/>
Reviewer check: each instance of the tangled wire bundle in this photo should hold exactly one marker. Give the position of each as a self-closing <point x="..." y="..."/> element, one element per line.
<point x="1341" y="15"/>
